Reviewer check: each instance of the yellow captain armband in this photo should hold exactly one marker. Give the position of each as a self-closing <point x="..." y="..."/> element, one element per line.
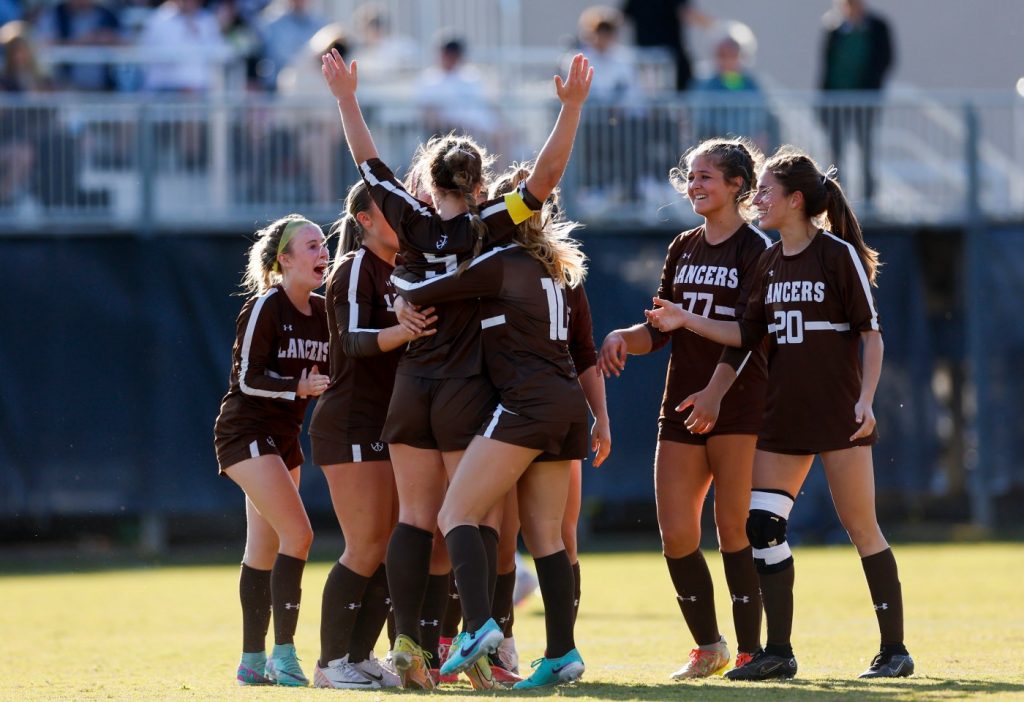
<point x="518" y="210"/>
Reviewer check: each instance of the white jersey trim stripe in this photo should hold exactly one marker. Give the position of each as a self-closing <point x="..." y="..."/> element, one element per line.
<point x="492" y="321"/>
<point x="353" y="290"/>
<point x="357" y="453"/>
<point x="826" y="326"/>
<point x="254" y="449"/>
<point x="764" y="237"/>
<point x="393" y="187"/>
<point x="407" y="285"/>
<point x="493" y="209"/>
<point x="771" y="502"/>
<point x="725" y="311"/>
<point x="243" y="367"/>
<point x="862" y="274"/>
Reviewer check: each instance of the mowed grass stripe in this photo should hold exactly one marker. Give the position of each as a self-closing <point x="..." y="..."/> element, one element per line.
<point x="174" y="632"/>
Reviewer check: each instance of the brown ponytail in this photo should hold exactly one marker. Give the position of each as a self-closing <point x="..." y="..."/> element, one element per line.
<point x="348" y="227"/>
<point x="797" y="172"/>
<point x="457" y="163"/>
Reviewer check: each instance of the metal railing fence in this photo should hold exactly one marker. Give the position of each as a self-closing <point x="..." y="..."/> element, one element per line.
<point x="146" y="164"/>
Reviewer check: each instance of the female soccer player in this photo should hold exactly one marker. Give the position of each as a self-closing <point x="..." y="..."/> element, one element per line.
<point x="367" y="343"/>
<point x="709" y="436"/>
<point x="440" y="391"/>
<point x="584" y="358"/>
<point x="542" y="410"/>
<point x="812" y="295"/>
<point x="281" y="345"/>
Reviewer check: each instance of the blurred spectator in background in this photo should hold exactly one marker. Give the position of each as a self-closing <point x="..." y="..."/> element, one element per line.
<point x="20" y="128"/>
<point x="744" y="111"/>
<point x="39" y="162"/>
<point x="453" y="97"/>
<point x="615" y="76"/>
<point x="857" y="55"/>
<point x="81" y="23"/>
<point x="241" y="35"/>
<point x="10" y="10"/>
<point x="286" y="26"/>
<point x="378" y="50"/>
<point x="182" y="29"/>
<point x="661" y="24"/>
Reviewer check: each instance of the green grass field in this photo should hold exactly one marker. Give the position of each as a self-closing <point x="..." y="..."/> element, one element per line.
<point x="174" y="632"/>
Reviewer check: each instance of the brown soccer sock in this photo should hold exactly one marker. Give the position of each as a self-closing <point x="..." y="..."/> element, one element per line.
<point x="376" y="610"/>
<point x="433" y="613"/>
<point x="777" y="593"/>
<point x="452" y="613"/>
<point x="254" y="593"/>
<point x="469" y="563"/>
<point x="696" y="596"/>
<point x="408" y="565"/>
<point x="285" y="595"/>
<point x="576" y="591"/>
<point x="741" y="576"/>
<point x="341" y="605"/>
<point x="501" y="611"/>
<point x="886" y="595"/>
<point x="554" y="573"/>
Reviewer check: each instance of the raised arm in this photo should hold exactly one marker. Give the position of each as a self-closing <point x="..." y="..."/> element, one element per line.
<point x="554" y="156"/>
<point x="342" y="80"/>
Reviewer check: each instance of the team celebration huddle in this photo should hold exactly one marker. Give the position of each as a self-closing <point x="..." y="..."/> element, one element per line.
<point x="455" y="373"/>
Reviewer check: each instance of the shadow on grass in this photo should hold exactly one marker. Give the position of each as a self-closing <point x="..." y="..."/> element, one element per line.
<point x="876" y="691"/>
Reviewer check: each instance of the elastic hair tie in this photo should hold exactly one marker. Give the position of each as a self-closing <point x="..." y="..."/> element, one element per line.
<point x="832" y="172"/>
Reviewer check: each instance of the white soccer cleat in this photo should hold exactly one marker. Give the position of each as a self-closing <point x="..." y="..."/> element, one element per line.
<point x="508" y="657"/>
<point x="383" y="674"/>
<point x="704" y="662"/>
<point x="339" y="674"/>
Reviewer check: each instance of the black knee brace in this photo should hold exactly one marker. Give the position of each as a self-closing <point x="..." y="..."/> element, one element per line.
<point x="766" y="530"/>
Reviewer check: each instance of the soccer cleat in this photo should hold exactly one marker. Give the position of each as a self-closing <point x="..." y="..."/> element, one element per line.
<point x="444" y="644"/>
<point x="764" y="666"/>
<point x="339" y="674"/>
<point x="480" y="675"/>
<point x="251" y="670"/>
<point x="283" y="667"/>
<point x="502" y="675"/>
<point x="378" y="672"/>
<point x="469" y="646"/>
<point x="410" y="662"/>
<point x="551" y="671"/>
<point x="891" y="665"/>
<point x="526" y="581"/>
<point x="742" y="658"/>
<point x="704" y="662"/>
<point x="506" y="656"/>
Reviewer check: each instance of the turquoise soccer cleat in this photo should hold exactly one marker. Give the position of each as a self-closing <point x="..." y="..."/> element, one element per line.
<point x="552" y="671"/>
<point x="469" y="646"/>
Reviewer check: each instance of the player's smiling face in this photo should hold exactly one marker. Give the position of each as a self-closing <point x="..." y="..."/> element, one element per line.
<point x="306" y="261"/>
<point x="770" y="202"/>
<point x="707" y="188"/>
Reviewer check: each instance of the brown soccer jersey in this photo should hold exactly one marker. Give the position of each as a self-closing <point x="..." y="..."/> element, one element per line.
<point x="525" y="331"/>
<point x="712" y="280"/>
<point x="581" y="329"/>
<point x="432" y="246"/>
<point x="360" y="303"/>
<point x="813" y="306"/>
<point x="274" y="343"/>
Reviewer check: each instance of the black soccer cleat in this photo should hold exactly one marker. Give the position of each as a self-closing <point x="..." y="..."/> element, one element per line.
<point x="764" y="666"/>
<point x="891" y="665"/>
